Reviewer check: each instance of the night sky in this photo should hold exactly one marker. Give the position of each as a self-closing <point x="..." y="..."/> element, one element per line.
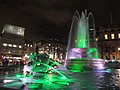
<point x="45" y="19"/>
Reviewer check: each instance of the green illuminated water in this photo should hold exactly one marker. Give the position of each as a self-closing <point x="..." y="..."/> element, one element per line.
<point x="63" y="76"/>
<point x="82" y="43"/>
<point x="79" y="37"/>
<point x="94" y="53"/>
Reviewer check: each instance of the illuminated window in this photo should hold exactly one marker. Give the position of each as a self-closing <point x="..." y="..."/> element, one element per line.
<point x="20" y="46"/>
<point x="91" y="29"/>
<point x="119" y="35"/>
<point x="5" y="44"/>
<point x="106" y="36"/>
<point x="30" y="45"/>
<point x="9" y="52"/>
<point x="96" y="39"/>
<point x="55" y="47"/>
<point x="119" y="49"/>
<point x="112" y="36"/>
<point x="10" y="45"/>
<point x="14" y="45"/>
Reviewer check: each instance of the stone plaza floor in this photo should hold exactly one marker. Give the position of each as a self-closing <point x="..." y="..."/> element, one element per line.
<point x="87" y="80"/>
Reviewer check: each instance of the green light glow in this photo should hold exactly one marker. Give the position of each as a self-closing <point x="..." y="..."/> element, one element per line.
<point x="19" y="76"/>
<point x="55" y="70"/>
<point x="77" y="65"/>
<point x="63" y="77"/>
<point x="44" y="79"/>
<point x="94" y="53"/>
<point x="81" y="34"/>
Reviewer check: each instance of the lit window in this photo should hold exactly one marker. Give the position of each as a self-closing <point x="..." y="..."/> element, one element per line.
<point x="9" y="52"/>
<point x="20" y="46"/>
<point x="5" y="44"/>
<point x="96" y="39"/>
<point x="30" y="45"/>
<point x="106" y="36"/>
<point x="119" y="49"/>
<point x="119" y="35"/>
<point x="10" y="45"/>
<point x="91" y="29"/>
<point x="14" y="45"/>
<point x="112" y="36"/>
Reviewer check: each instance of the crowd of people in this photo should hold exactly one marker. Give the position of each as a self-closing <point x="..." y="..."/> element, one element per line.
<point x="7" y="62"/>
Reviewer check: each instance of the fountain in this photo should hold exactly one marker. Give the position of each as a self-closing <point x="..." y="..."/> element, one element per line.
<point x="42" y="75"/>
<point x="80" y="50"/>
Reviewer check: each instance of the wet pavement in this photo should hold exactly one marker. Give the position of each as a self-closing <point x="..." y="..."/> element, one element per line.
<point x="87" y="80"/>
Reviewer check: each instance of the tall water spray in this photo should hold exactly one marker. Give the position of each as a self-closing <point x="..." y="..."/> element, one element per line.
<point x="79" y="45"/>
<point x="80" y="50"/>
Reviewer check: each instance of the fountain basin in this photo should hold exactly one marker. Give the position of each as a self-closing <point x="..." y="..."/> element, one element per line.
<point x="78" y="65"/>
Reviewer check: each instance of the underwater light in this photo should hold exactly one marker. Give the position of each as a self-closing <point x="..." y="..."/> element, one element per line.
<point x="7" y="81"/>
<point x="38" y="64"/>
<point x="19" y="76"/>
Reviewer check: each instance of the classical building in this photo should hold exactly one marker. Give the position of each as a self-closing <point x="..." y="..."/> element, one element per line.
<point x="109" y="43"/>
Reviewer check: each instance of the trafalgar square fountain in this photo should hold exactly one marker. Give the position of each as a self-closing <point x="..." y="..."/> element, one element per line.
<point x="81" y="52"/>
<point x="81" y="55"/>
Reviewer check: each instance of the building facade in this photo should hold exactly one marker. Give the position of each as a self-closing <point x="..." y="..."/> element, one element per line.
<point x="109" y="43"/>
<point x="13" y="44"/>
<point x="15" y="49"/>
<point x="53" y="47"/>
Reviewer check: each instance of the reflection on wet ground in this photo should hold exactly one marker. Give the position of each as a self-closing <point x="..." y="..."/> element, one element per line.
<point x="88" y="80"/>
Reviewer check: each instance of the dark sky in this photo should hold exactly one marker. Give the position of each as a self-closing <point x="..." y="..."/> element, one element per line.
<point x="53" y="18"/>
